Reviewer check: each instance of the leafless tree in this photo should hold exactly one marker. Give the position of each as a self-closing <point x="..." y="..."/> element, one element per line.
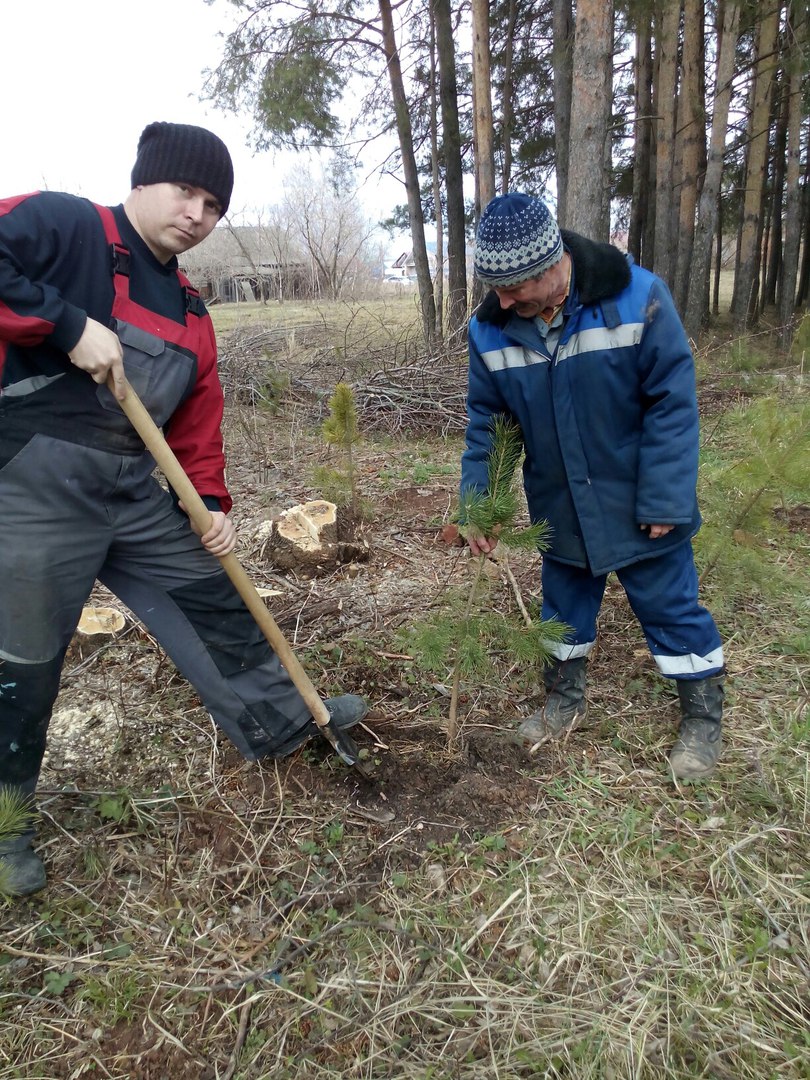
<point x="329" y="223"/>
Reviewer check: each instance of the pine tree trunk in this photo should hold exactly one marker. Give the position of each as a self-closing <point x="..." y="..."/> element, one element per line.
<point x="667" y="47"/>
<point x="482" y="122"/>
<point x="718" y="256"/>
<point x="745" y="284"/>
<point x="803" y="287"/>
<point x="590" y="102"/>
<point x="507" y="104"/>
<point x="773" y="247"/>
<point x="790" y="264"/>
<point x="453" y="172"/>
<point x="697" y="304"/>
<point x="764" y="246"/>
<point x="409" y="168"/>
<point x="438" y="290"/>
<point x="641" y="164"/>
<point x="561" y="59"/>
<point x="691" y="135"/>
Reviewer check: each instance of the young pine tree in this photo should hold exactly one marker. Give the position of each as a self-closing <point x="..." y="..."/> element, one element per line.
<point x="742" y="493"/>
<point x="341" y="429"/>
<point x="470" y="631"/>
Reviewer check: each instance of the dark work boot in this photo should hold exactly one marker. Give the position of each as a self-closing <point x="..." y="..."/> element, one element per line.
<point x="565" y="703"/>
<point x="21" y="872"/>
<point x="21" y="869"/>
<point x="346" y="711"/>
<point x="697" y="748"/>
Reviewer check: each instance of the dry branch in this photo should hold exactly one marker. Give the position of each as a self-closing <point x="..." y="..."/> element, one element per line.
<point x="427" y="395"/>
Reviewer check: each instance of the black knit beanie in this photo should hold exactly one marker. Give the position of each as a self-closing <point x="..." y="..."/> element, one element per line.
<point x="183" y="153"/>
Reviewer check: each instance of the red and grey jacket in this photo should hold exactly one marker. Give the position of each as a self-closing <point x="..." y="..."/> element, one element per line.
<point x="64" y="260"/>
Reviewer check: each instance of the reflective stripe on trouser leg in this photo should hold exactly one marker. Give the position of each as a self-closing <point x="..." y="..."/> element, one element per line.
<point x="573" y="596"/>
<point x="680" y="633"/>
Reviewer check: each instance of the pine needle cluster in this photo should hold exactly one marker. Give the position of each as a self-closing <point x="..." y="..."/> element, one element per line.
<point x="477" y="640"/>
<point x="493" y="512"/>
<point x="16" y="816"/>
<point x="341" y="427"/>
<point x="757" y="463"/>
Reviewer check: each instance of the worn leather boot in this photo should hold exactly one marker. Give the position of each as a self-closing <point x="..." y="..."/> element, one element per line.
<point x="699" y="743"/>
<point x="565" y="705"/>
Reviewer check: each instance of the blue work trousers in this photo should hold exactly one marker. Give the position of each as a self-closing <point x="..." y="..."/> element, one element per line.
<point x="663" y="593"/>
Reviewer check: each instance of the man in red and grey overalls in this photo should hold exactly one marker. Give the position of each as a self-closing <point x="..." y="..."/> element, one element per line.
<point x="88" y="292"/>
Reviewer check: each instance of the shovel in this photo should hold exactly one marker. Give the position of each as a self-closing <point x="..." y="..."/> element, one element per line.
<point x="201" y="516"/>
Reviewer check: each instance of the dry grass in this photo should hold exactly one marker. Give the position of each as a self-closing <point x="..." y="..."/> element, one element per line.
<point x="386" y="316"/>
<point x="208" y="918"/>
<point x="620" y="928"/>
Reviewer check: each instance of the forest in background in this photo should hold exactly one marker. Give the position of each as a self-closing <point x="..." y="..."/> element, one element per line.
<point x="681" y="127"/>
<point x="483" y="914"/>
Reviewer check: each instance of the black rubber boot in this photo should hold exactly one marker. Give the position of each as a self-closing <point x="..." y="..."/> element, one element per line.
<point x="21" y="872"/>
<point x="699" y="743"/>
<point x="565" y="703"/>
<point x="21" y="869"/>
<point x="346" y="711"/>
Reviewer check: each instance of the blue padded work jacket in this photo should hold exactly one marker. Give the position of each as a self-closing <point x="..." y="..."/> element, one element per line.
<point x="609" y="420"/>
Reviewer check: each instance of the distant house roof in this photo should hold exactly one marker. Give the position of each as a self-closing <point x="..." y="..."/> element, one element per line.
<point x="244" y="249"/>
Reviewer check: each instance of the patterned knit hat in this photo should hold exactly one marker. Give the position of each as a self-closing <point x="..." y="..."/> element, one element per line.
<point x="183" y="153"/>
<point x="517" y="239"/>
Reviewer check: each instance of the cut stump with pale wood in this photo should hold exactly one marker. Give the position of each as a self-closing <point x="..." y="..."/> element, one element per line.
<point x="310" y="539"/>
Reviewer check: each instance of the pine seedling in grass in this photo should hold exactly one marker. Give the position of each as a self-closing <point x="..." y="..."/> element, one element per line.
<point x="16" y="816"/>
<point x="773" y="437"/>
<point x="341" y="429"/>
<point x="470" y="632"/>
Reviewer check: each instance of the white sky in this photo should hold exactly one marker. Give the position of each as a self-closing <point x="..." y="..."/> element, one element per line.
<point x="80" y="79"/>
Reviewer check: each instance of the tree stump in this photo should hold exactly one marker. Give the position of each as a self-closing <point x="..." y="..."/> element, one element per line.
<point x="311" y="538"/>
<point x="98" y="626"/>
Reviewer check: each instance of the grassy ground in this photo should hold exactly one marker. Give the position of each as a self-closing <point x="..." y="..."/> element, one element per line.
<point x="572" y="914"/>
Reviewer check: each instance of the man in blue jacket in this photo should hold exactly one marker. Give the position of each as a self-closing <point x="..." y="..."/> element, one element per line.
<point x="586" y="353"/>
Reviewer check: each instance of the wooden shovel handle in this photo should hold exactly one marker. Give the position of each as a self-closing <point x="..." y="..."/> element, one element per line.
<point x="201" y="516"/>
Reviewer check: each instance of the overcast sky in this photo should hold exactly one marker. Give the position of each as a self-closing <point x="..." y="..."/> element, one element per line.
<point x="80" y="79"/>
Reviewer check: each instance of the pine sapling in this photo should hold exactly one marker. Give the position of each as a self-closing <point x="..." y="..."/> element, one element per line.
<point x="470" y="631"/>
<point x="341" y="429"/>
<point x="774" y="469"/>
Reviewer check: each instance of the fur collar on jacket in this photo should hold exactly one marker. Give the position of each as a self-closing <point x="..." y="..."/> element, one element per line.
<point x="600" y="271"/>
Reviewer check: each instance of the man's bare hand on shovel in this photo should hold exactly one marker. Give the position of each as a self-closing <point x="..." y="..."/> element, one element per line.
<point x="98" y="352"/>
<point x="220" y="539"/>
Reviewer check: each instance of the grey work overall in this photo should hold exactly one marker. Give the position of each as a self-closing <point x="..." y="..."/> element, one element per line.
<point x="81" y="505"/>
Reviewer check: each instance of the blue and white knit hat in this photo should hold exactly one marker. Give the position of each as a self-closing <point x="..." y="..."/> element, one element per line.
<point x="517" y="239"/>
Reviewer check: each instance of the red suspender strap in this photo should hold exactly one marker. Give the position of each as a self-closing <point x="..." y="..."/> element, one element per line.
<point x="119" y="262"/>
<point x="119" y="255"/>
